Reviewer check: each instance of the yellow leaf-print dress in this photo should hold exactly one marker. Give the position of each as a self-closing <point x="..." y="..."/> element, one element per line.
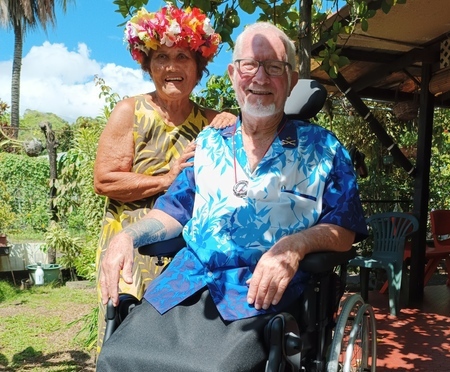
<point x="157" y="145"/>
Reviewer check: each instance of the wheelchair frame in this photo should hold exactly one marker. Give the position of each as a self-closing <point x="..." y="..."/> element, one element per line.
<point x="327" y="334"/>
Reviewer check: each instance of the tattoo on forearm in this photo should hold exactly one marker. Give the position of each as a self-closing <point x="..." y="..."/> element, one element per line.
<point x="146" y="231"/>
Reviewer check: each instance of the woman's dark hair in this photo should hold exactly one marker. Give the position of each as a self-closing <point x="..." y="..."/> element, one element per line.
<point x="201" y="62"/>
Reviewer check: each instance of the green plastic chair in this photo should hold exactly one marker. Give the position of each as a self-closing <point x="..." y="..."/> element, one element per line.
<point x="389" y="234"/>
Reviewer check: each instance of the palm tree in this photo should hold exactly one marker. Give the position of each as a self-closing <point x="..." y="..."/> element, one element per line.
<point x="22" y="16"/>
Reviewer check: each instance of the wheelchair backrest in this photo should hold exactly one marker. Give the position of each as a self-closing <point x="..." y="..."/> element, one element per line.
<point x="306" y="99"/>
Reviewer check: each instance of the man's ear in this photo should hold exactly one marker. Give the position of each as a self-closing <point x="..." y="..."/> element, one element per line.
<point x="294" y="80"/>
<point x="230" y="71"/>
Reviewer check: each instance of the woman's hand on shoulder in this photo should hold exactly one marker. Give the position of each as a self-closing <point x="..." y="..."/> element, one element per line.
<point x="222" y="120"/>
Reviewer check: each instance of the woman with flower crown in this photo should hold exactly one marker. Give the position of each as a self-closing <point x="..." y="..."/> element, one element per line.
<point x="149" y="138"/>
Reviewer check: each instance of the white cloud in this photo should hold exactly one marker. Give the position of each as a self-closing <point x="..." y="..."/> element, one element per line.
<point x="56" y="80"/>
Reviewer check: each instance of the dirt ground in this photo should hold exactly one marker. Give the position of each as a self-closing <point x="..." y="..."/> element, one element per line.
<point x="65" y="353"/>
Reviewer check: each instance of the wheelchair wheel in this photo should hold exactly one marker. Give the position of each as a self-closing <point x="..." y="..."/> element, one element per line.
<point x="353" y="348"/>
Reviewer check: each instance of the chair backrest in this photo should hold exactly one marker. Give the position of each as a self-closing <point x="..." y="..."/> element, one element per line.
<point x="440" y="228"/>
<point x="389" y="231"/>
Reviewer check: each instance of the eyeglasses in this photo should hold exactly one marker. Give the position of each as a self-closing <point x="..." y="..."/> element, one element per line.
<point x="250" y="67"/>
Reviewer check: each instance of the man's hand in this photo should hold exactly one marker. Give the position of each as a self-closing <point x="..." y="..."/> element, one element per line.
<point x="119" y="256"/>
<point x="278" y="265"/>
<point x="273" y="273"/>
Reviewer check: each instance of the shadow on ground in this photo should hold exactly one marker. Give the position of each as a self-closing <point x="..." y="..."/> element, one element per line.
<point x="31" y="359"/>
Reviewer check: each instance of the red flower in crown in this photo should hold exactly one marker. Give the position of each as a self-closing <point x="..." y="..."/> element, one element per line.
<point x="171" y="26"/>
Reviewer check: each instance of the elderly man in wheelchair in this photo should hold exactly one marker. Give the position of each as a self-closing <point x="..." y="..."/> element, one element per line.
<point x="262" y="199"/>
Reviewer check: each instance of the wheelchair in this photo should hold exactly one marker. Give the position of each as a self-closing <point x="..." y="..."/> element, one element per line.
<point x="326" y="334"/>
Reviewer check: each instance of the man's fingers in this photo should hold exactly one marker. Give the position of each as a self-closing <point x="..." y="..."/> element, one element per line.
<point x="276" y="297"/>
<point x="104" y="290"/>
<point x="110" y="279"/>
<point x="127" y="271"/>
<point x="269" y="291"/>
<point x="266" y="290"/>
<point x="253" y="284"/>
<point x="118" y="257"/>
<point x="112" y="287"/>
<point x="260" y="288"/>
<point x="268" y="283"/>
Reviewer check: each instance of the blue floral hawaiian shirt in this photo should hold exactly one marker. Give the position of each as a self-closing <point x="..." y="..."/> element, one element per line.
<point x="306" y="177"/>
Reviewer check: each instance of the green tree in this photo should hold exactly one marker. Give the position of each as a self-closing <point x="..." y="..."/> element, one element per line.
<point x="22" y="16"/>
<point x="225" y="17"/>
<point x="80" y="210"/>
<point x="219" y="94"/>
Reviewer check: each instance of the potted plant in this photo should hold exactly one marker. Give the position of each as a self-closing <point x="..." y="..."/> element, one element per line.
<point x="68" y="246"/>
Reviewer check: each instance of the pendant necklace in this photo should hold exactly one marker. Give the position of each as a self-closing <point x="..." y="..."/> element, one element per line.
<point x="240" y="188"/>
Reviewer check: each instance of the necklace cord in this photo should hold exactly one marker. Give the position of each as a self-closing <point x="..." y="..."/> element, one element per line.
<point x="240" y="187"/>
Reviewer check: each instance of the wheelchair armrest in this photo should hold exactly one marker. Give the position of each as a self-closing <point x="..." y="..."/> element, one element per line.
<point x="166" y="248"/>
<point x="319" y="262"/>
<point x="314" y="263"/>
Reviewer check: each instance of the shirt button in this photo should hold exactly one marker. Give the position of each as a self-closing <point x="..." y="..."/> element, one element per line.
<point x="209" y="277"/>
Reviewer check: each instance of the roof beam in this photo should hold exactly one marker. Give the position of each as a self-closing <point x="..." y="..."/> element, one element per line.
<point x="367" y="55"/>
<point x="387" y="95"/>
<point x="408" y="59"/>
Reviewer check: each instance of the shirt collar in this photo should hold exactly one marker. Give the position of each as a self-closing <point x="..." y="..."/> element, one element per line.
<point x="287" y="136"/>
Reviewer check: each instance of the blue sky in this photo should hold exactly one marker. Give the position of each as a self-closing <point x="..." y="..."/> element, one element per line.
<point x="59" y="66"/>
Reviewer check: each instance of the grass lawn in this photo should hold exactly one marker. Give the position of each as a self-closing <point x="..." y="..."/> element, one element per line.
<point x="40" y="328"/>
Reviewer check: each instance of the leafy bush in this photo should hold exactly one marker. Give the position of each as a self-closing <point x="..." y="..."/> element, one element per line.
<point x="85" y="261"/>
<point x="7" y="216"/>
<point x="25" y="182"/>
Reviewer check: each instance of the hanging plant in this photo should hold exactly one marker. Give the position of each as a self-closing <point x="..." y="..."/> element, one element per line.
<point x="33" y="147"/>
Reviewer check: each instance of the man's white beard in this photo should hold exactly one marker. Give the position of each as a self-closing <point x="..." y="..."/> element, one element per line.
<point x="258" y="109"/>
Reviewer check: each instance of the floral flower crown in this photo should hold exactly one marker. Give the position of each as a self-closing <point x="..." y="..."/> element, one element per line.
<point x="171" y="26"/>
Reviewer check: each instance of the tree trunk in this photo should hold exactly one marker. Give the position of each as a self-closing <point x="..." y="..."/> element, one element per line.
<point x="15" y="79"/>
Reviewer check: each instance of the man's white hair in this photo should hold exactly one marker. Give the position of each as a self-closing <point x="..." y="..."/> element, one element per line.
<point x="265" y="27"/>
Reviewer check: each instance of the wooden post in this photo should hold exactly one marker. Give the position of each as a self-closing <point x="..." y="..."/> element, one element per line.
<point x="304" y="40"/>
<point x="421" y="188"/>
<point x="52" y="144"/>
